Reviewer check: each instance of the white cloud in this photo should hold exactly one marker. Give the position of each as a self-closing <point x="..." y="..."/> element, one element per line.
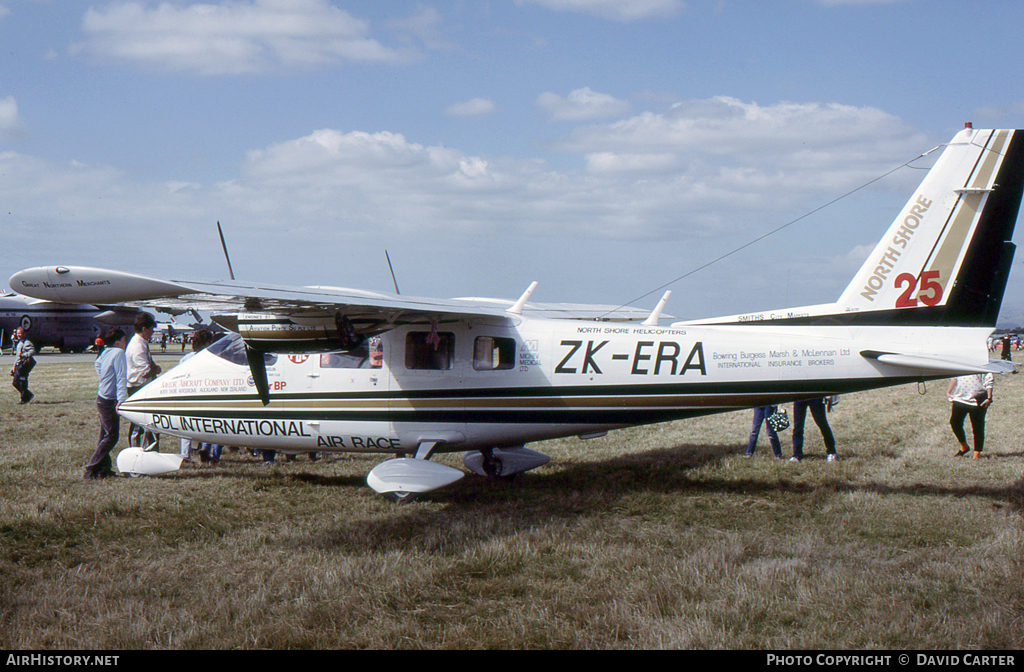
<point x="11" y="125"/>
<point x="582" y="105"/>
<point x="234" y="36"/>
<point x="618" y="10"/>
<point x="702" y="168"/>
<point x="612" y="162"/>
<point x="381" y="177"/>
<point x="424" y="26"/>
<point x="723" y="146"/>
<point x="859" y="254"/>
<point x="476" y="107"/>
<point x="4" y="11"/>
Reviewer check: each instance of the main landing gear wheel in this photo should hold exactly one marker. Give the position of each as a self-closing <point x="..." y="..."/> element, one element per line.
<point x="503" y="463"/>
<point x="401" y="497"/>
<point x="492" y="465"/>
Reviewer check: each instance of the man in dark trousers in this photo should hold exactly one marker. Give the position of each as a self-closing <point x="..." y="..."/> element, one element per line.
<point x="817" y="409"/>
<point x="112" y="369"/>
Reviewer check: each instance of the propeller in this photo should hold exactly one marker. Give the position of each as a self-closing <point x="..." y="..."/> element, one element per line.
<point x="224" y="246"/>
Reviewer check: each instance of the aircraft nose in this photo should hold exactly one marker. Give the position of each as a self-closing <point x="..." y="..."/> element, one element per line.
<point x="129" y="410"/>
<point x="135" y="408"/>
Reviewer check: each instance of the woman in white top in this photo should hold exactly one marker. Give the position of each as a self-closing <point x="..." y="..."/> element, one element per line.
<point x="970" y="396"/>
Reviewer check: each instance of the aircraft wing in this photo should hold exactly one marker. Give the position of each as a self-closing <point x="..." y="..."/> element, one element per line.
<point x="274" y="318"/>
<point x="368" y="312"/>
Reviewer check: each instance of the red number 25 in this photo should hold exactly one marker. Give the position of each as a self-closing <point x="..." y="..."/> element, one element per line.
<point x="929" y="283"/>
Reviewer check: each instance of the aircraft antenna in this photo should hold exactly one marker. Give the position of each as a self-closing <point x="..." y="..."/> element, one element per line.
<point x="224" y="246"/>
<point x="652" y="321"/>
<point x="517" y="309"/>
<point x="774" y="231"/>
<point x="391" y="268"/>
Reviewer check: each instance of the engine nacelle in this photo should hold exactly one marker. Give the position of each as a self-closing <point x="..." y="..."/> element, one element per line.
<point x="117" y="317"/>
<point x="293" y="335"/>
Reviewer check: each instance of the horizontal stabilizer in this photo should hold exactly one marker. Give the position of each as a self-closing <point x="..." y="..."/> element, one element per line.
<point x="933" y="364"/>
<point x="405" y="476"/>
<point x="1001" y="366"/>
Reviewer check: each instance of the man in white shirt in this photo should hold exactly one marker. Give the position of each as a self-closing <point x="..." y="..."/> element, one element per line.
<point x="141" y="370"/>
<point x="112" y="370"/>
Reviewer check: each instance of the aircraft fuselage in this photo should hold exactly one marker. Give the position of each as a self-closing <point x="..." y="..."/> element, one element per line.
<point x="511" y="382"/>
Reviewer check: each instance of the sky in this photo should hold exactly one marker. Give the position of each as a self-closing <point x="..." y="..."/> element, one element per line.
<point x="600" y="147"/>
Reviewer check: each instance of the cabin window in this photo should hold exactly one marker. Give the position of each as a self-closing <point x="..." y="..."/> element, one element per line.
<point x="367" y="355"/>
<point x="232" y="348"/>
<point x="429" y="350"/>
<point x="492" y="353"/>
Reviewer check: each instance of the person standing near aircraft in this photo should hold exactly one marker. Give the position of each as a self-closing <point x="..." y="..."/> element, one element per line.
<point x="208" y="452"/>
<point x="818" y="412"/>
<point x="112" y="369"/>
<point x="24" y="362"/>
<point x="141" y="370"/>
<point x="761" y="415"/>
<point x="970" y="396"/>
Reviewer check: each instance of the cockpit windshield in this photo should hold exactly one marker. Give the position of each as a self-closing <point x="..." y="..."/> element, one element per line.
<point x="232" y="348"/>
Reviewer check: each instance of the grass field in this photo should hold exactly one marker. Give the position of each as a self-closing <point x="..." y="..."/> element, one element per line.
<point x="661" y="536"/>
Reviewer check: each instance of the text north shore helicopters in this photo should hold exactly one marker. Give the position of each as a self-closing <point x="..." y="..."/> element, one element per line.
<point x="330" y="369"/>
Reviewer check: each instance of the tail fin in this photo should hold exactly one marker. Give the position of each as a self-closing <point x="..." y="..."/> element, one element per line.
<point x="946" y="258"/>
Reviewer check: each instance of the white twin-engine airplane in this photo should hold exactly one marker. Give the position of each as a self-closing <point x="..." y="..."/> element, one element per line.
<point x="331" y="369"/>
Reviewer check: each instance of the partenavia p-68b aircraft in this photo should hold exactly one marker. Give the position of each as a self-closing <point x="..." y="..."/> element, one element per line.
<point x="331" y="369"/>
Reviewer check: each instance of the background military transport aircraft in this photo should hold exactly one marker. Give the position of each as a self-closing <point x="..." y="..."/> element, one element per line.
<point x="69" y="328"/>
<point x="332" y="369"/>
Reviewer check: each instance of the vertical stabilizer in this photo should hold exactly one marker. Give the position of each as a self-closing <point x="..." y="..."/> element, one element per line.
<point x="946" y="258"/>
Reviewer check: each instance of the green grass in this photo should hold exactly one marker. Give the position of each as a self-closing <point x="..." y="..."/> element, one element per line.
<point x="661" y="536"/>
